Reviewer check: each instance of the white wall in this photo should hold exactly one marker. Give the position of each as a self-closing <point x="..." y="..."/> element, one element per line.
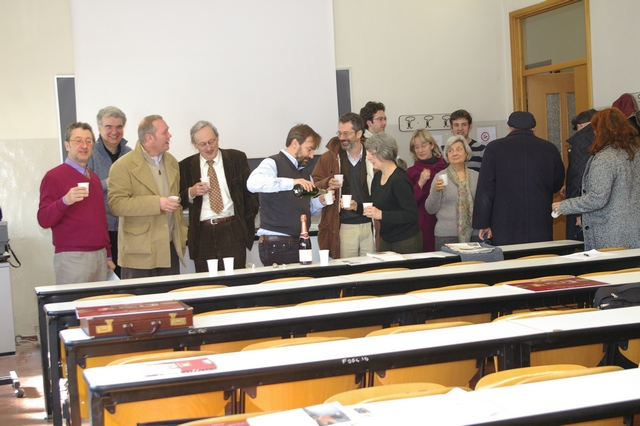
<point x="413" y="55"/>
<point x="424" y="57"/>
<point x="36" y="46"/>
<point x="614" y="49"/>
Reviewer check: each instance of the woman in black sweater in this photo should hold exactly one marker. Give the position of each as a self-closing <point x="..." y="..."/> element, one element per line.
<point x="392" y="197"/>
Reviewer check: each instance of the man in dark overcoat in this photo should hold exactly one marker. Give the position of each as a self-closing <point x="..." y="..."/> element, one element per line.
<point x="519" y="175"/>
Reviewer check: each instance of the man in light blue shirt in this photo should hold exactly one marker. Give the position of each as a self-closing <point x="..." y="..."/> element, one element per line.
<point x="280" y="209"/>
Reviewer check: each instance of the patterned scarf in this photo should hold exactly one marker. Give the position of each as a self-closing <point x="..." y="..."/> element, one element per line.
<point x="464" y="208"/>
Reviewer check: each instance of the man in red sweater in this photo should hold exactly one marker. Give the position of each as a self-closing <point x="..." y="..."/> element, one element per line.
<point x="75" y="212"/>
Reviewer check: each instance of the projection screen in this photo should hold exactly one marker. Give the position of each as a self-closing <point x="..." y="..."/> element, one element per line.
<point x="253" y="68"/>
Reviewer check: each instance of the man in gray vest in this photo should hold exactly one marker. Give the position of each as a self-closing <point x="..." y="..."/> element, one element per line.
<point x="280" y="210"/>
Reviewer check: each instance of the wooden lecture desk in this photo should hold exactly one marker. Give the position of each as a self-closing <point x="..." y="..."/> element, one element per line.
<point x="69" y="292"/>
<point x="299" y="320"/>
<point x="109" y="386"/>
<point x="63" y="314"/>
<point x="554" y="402"/>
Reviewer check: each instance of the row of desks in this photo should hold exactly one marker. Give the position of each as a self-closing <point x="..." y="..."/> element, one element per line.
<point x="51" y="322"/>
<point x="299" y="320"/>
<point x="599" y="396"/>
<point x="114" y="385"/>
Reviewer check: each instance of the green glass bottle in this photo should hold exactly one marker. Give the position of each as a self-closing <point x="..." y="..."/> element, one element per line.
<point x="299" y="191"/>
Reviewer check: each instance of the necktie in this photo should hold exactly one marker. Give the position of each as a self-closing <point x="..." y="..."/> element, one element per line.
<point x="215" y="199"/>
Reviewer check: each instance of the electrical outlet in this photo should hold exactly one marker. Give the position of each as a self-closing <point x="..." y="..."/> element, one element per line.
<point x="411" y="122"/>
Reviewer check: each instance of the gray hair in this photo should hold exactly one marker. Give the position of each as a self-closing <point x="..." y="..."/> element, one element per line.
<point x="451" y="141"/>
<point x="383" y="145"/>
<point x="146" y="127"/>
<point x="201" y="125"/>
<point x="111" y="111"/>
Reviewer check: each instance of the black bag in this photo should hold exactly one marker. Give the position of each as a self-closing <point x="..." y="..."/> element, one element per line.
<point x="617" y="297"/>
<point x="611" y="297"/>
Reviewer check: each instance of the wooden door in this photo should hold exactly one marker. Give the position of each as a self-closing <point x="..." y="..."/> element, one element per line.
<point x="553" y="99"/>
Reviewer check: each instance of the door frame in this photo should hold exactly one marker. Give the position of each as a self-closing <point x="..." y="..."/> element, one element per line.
<point x="518" y="72"/>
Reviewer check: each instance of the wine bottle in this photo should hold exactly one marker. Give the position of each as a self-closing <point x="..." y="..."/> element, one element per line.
<point x="306" y="254"/>
<point x="299" y="191"/>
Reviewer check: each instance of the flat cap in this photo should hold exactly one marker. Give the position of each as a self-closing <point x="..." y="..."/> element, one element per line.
<point x="523" y="120"/>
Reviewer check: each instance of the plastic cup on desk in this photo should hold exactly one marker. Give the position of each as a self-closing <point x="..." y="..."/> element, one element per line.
<point x="228" y="265"/>
<point x="212" y="264"/>
<point x="324" y="257"/>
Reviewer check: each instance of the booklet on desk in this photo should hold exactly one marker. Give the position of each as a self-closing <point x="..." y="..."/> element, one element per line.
<point x="557" y="284"/>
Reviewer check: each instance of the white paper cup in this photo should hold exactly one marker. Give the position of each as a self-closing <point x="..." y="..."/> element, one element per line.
<point x="84" y="185"/>
<point x="324" y="257"/>
<point x="228" y="265"/>
<point x="212" y="264"/>
<point x="174" y="197"/>
<point x="445" y="179"/>
<point x="340" y="178"/>
<point x="365" y="205"/>
<point x="555" y="214"/>
<point x="328" y="197"/>
<point x="205" y="179"/>
<point x="346" y="200"/>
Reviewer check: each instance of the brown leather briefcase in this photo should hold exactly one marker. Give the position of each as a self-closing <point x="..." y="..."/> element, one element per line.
<point x="134" y="319"/>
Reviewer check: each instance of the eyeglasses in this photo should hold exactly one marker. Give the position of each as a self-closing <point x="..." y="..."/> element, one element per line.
<point x="380" y="119"/>
<point x="345" y="134"/>
<point x="79" y="141"/>
<point x="205" y="144"/>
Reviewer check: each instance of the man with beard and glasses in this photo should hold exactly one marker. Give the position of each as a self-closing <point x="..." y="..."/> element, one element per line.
<point x="343" y="230"/>
<point x="280" y="210"/>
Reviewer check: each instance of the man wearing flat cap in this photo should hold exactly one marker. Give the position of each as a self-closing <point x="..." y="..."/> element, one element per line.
<point x="519" y="175"/>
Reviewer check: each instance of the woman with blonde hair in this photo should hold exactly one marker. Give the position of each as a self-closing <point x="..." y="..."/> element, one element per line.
<point x="452" y="193"/>
<point x="428" y="161"/>
<point x="610" y="199"/>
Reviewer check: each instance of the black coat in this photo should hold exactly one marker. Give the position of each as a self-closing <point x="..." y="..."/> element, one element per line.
<point x="519" y="175"/>
<point x="578" y="155"/>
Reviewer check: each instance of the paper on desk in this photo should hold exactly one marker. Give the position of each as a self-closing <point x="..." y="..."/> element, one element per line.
<point x="588" y="255"/>
<point x="359" y="260"/>
<point x="316" y="415"/>
<point x="426" y="255"/>
<point x="386" y="256"/>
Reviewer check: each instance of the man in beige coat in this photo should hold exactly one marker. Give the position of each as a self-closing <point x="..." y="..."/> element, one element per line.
<point x="142" y="186"/>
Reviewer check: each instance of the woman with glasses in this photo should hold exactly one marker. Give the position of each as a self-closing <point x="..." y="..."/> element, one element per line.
<point x="428" y="161"/>
<point x="452" y="193"/>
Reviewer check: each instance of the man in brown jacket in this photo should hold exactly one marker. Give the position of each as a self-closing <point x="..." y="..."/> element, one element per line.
<point x="343" y="230"/>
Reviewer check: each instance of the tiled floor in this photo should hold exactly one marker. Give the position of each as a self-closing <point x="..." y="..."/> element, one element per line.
<point x="28" y="410"/>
